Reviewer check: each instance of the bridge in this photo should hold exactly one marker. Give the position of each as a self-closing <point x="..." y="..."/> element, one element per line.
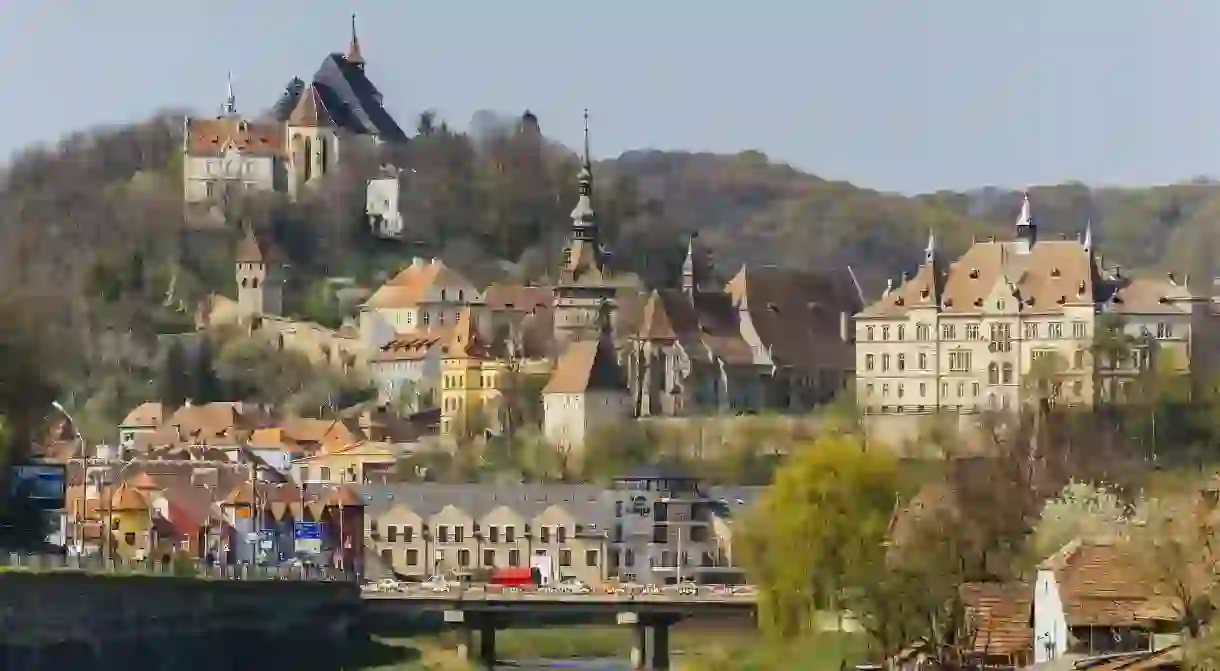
<point x="475" y="611"/>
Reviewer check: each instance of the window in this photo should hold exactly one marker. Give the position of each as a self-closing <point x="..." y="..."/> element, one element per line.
<point x="972" y="331"/>
<point x="902" y="332"/>
<point x="514" y="557"/>
<point x="885" y="333"/>
<point x="922" y="332"/>
<point x="629" y="558"/>
<point x="900" y="390"/>
<point x="923" y="361"/>
<point x="923" y="388"/>
<point x="412" y="557"/>
<point x="561" y="534"/>
<point x="961" y="389"/>
<point x="902" y="362"/>
<point x="1031" y="331"/>
<point x="1078" y="359"/>
<point x="459" y="534"/>
<point x="1079" y="330"/>
<point x="1007" y="373"/>
<point x="510" y="535"/>
<point x="1055" y="329"/>
<point x="868" y="333"/>
<point x="947" y="332"/>
<point x="325" y="474"/>
<point x="464" y="558"/>
<point x="993" y="373"/>
<point x="387" y="557"/>
<point x="1001" y="331"/>
<point x="590" y="557"/>
<point x="424" y="318"/>
<point x="959" y="361"/>
<point x="869" y="361"/>
<point x="974" y="389"/>
<point x="868" y="390"/>
<point x="493" y="534"/>
<point x="391" y="534"/>
<point x="129" y="538"/>
<point x="944" y="389"/>
<point x="885" y="362"/>
<point x="442" y="534"/>
<point x="565" y="557"/>
<point x="544" y="534"/>
<point x="1164" y="330"/>
<point x="885" y="390"/>
<point x="1078" y="388"/>
<point x="489" y="557"/>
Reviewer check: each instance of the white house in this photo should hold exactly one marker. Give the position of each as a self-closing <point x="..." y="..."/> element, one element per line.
<point x="587" y="389"/>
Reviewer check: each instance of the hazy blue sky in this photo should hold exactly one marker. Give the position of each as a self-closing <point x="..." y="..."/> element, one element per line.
<point x="907" y="95"/>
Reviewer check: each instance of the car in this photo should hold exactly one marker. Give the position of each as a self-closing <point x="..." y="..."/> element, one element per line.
<point x="573" y="586"/>
<point x="688" y="589"/>
<point x="388" y="585"/>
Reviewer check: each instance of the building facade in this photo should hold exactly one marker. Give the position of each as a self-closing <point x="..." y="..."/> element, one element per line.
<point x="425" y="296"/>
<point x="472" y="380"/>
<point x="586" y="390"/>
<point x="977" y="334"/>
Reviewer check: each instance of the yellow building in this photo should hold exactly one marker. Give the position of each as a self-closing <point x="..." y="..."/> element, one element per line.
<point x="471" y="379"/>
<point x="129" y="519"/>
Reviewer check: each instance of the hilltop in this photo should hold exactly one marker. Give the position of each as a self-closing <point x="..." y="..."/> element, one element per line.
<point x="92" y="230"/>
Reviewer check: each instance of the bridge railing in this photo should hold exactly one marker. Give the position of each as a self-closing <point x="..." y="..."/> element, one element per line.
<point x="14" y="561"/>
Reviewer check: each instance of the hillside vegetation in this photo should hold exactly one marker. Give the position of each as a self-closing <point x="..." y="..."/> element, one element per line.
<point x="92" y="231"/>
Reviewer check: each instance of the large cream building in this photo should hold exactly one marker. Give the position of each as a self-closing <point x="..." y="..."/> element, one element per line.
<point x="966" y="336"/>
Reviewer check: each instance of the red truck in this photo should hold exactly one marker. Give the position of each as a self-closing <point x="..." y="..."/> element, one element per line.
<point x="514" y="577"/>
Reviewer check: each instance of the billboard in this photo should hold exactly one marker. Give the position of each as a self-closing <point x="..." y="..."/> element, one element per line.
<point x="41" y="484"/>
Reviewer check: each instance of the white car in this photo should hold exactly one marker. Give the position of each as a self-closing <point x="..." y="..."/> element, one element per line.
<point x="688" y="589"/>
<point x="573" y="586"/>
<point x="387" y="585"/>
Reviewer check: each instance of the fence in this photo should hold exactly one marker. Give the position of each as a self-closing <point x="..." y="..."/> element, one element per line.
<point x="180" y="568"/>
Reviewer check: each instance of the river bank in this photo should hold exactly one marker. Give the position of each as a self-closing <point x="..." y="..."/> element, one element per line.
<point x="694" y="649"/>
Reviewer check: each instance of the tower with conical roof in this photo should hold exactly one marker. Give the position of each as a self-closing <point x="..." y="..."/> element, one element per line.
<point x="354" y="57"/>
<point x="1027" y="230"/>
<point x="582" y="285"/>
<point x="229" y="109"/>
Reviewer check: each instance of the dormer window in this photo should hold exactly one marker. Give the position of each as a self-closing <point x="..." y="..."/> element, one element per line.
<point x="1055" y="272"/>
<point x="948" y="302"/>
<point x="978" y="302"/>
<point x="898" y="301"/>
<point x="924" y="293"/>
<point x="1062" y="300"/>
<point x="1080" y="288"/>
<point x="974" y="273"/>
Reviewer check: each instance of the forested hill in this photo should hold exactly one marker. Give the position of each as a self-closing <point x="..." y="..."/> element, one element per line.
<point x="92" y="230"/>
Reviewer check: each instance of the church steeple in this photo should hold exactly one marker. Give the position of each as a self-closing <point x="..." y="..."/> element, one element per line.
<point x="230" y="106"/>
<point x="353" y="51"/>
<point x="695" y="267"/>
<point x="1027" y="230"/>
<point x="929" y="252"/>
<point x="583" y="225"/>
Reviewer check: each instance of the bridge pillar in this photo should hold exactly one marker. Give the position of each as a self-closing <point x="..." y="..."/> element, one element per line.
<point x="649" y="641"/>
<point x="487" y="645"/>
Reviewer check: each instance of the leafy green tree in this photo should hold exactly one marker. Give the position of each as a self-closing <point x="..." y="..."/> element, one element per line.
<point x="818" y="531"/>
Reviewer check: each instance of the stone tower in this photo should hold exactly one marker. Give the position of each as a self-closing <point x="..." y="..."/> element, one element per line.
<point x="583" y="287"/>
<point x="260" y="278"/>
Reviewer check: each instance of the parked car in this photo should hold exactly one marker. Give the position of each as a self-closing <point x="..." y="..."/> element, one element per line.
<point x="687" y="588"/>
<point x="573" y="586"/>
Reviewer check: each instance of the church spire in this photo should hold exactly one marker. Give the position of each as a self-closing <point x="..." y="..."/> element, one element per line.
<point x="929" y="252"/>
<point x="690" y="267"/>
<point x="583" y="226"/>
<point x="230" y="106"/>
<point x="353" y="51"/>
<point x="1088" y="237"/>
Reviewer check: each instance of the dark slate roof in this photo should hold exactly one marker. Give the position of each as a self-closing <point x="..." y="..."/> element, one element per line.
<point x="353" y="101"/>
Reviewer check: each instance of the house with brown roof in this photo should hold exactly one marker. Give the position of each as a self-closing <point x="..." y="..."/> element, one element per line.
<point x="474" y="373"/>
<point x="972" y="335"/>
<point x="407" y="368"/>
<point x="771" y="339"/>
<point x="426" y="295"/>
<point x="999" y="622"/>
<point x="586" y="390"/>
<point x="143" y="420"/>
<point x="1090" y="598"/>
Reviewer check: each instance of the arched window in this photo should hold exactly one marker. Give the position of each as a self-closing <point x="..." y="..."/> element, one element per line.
<point x="885" y="333"/>
<point x="254" y="283"/>
<point x="993" y="374"/>
<point x="245" y="282"/>
<point x="921" y="332"/>
<point x="1007" y="373"/>
<point x="307" y="159"/>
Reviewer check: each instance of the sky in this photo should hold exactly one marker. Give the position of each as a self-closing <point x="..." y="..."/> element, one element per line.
<point x="898" y="95"/>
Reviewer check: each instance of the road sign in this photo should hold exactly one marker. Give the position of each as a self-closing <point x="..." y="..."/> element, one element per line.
<point x="308" y="537"/>
<point x="308" y="531"/>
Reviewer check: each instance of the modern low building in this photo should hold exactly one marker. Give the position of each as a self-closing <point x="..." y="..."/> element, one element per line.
<point x="415" y="530"/>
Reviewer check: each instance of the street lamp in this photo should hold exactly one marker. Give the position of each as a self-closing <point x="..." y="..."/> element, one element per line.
<point x="79" y="522"/>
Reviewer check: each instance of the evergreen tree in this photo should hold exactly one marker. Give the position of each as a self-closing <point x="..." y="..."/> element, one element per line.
<point x="173" y="383"/>
<point x="205" y="383"/>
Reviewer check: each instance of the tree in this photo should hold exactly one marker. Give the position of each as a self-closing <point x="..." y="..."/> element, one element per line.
<point x="173" y="382"/>
<point x="818" y="531"/>
<point x="206" y="386"/>
<point x="1082" y="510"/>
<point x="1173" y="547"/>
<point x="613" y="449"/>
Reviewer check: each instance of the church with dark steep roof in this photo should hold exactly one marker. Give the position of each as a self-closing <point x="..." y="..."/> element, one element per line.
<point x="310" y="128"/>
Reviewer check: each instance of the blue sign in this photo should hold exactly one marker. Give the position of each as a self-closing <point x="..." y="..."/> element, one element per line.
<point x="311" y="531"/>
